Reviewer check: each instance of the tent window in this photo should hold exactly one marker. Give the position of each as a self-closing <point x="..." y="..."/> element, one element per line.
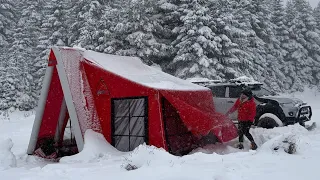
<point x="180" y="140"/>
<point x="129" y="123"/>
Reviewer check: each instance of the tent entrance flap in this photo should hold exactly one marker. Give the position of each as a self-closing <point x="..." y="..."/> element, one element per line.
<point x="129" y="122"/>
<point x="180" y="140"/>
<point x="201" y="123"/>
<point x="62" y="144"/>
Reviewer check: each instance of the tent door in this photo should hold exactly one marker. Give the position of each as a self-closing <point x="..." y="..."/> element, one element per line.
<point x="129" y="122"/>
<point x="180" y="140"/>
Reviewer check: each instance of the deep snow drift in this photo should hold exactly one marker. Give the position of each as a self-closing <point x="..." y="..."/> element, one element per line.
<point x="7" y="158"/>
<point x="99" y="160"/>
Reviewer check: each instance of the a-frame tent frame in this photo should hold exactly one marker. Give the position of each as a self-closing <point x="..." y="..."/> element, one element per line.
<point x="55" y="61"/>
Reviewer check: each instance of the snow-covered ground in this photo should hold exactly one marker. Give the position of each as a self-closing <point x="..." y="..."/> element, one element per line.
<point x="99" y="160"/>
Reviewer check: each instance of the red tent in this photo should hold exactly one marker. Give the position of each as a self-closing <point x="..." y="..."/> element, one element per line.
<point x="127" y="101"/>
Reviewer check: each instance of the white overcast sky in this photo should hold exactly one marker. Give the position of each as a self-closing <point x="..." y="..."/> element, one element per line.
<point x="313" y="3"/>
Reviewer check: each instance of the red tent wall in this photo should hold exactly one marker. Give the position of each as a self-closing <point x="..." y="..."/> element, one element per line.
<point x="118" y="87"/>
<point x="52" y="108"/>
<point x="199" y="99"/>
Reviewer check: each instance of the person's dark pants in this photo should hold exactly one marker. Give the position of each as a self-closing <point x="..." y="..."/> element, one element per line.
<point x="243" y="129"/>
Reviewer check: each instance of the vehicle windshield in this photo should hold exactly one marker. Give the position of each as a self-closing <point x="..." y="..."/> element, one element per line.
<point x="261" y="91"/>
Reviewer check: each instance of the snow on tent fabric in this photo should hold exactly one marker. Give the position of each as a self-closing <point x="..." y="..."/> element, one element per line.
<point x="127" y="101"/>
<point x="132" y="68"/>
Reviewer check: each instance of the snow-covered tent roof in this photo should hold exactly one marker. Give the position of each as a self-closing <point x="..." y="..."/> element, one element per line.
<point x="132" y="68"/>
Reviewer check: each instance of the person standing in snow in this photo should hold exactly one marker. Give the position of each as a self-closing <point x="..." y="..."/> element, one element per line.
<point x="246" y="112"/>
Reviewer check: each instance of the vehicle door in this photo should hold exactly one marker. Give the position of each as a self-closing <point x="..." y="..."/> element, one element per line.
<point x="233" y="93"/>
<point x="219" y="98"/>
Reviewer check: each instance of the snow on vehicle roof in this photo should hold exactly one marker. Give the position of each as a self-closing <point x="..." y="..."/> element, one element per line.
<point x="202" y="80"/>
<point x="244" y="80"/>
<point x="134" y="69"/>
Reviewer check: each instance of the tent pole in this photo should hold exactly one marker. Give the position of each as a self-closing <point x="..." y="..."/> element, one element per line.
<point x="40" y="110"/>
<point x="62" y="117"/>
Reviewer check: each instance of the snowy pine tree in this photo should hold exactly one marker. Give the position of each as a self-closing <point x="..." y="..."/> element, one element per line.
<point x="223" y="25"/>
<point x="7" y="19"/>
<point x="53" y="30"/>
<point x="25" y="40"/>
<point x="198" y="47"/>
<point x="269" y="51"/>
<point x="316" y="14"/>
<point x="294" y="49"/>
<point x="141" y="33"/>
<point x="302" y="45"/>
<point x="275" y="29"/>
<point x="253" y="61"/>
<point x="18" y="76"/>
<point x="232" y="23"/>
<point x="7" y="69"/>
<point x="91" y="27"/>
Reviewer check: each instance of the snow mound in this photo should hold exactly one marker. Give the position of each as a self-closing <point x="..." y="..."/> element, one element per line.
<point x="262" y="135"/>
<point x="280" y="137"/>
<point x="96" y="148"/>
<point x="149" y="156"/>
<point x="7" y="158"/>
<point x="290" y="143"/>
<point x="221" y="149"/>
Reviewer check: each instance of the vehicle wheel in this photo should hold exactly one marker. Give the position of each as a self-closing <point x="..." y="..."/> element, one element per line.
<point x="269" y="121"/>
